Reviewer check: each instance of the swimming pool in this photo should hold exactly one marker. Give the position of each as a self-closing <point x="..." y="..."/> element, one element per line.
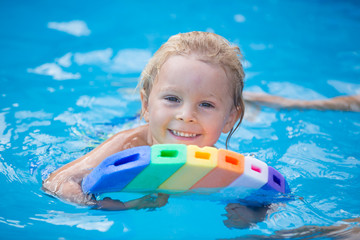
<point x="68" y="72"/>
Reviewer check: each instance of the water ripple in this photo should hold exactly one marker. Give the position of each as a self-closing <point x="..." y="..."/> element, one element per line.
<point x="79" y="220"/>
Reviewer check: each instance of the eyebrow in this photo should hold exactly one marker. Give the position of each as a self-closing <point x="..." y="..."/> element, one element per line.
<point x="169" y="88"/>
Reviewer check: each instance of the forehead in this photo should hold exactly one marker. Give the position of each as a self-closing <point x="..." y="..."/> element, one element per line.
<point x="192" y="65"/>
<point x="190" y="73"/>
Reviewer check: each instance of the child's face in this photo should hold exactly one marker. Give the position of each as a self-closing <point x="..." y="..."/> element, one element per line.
<point x="190" y="103"/>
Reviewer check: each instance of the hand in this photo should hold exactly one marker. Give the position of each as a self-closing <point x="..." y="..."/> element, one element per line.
<point x="109" y="204"/>
<point x="151" y="201"/>
<point x="68" y="189"/>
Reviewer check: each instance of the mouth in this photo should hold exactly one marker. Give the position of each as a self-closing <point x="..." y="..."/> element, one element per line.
<point x="184" y="134"/>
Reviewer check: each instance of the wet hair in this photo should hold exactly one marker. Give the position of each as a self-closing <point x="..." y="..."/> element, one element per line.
<point x="207" y="47"/>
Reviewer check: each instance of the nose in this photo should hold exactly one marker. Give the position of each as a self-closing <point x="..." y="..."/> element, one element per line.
<point x="186" y="114"/>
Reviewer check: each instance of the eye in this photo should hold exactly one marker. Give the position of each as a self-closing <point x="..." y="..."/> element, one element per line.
<point x="172" y="99"/>
<point x="207" y="105"/>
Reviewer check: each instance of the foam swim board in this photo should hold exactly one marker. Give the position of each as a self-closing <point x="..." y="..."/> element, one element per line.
<point x="174" y="168"/>
<point x="117" y="171"/>
<point x="165" y="161"/>
<point x="199" y="163"/>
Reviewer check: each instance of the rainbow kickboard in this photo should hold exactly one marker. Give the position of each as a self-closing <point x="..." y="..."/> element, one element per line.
<point x="175" y="168"/>
<point x="230" y="166"/>
<point x="165" y="161"/>
<point x="200" y="161"/>
<point x="275" y="182"/>
<point x="255" y="174"/>
<point x="117" y="171"/>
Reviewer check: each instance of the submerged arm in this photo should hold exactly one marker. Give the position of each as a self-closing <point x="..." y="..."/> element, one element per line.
<point x="343" y="103"/>
<point x="148" y="201"/>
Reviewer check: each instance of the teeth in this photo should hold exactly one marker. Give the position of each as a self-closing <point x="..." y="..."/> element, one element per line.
<point x="183" y="134"/>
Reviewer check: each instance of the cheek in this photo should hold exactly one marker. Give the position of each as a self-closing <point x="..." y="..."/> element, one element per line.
<point x="214" y="126"/>
<point x="159" y="116"/>
<point x="220" y="124"/>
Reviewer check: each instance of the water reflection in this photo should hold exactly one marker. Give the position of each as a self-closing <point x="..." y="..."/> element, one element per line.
<point x="77" y="28"/>
<point x="124" y="62"/>
<point x="79" y="220"/>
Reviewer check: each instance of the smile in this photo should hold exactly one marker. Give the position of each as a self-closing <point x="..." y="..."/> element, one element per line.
<point x="184" y="134"/>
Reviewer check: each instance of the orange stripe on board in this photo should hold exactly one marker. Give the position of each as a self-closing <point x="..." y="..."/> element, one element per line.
<point x="230" y="166"/>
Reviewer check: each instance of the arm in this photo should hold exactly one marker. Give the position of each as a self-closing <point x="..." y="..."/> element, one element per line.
<point x="343" y="103"/>
<point x="66" y="181"/>
<point x="345" y="229"/>
<point x="148" y="201"/>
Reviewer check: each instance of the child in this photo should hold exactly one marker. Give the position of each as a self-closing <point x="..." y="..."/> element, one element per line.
<point x="191" y="92"/>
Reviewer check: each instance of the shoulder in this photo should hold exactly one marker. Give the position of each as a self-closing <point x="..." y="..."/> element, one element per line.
<point x="131" y="138"/>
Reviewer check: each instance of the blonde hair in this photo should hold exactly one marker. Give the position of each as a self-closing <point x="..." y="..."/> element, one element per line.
<point x="208" y="47"/>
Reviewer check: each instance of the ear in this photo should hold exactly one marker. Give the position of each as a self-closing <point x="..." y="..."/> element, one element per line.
<point x="233" y="117"/>
<point x="144" y="105"/>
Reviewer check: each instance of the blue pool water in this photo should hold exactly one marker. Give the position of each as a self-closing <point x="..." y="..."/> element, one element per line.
<point x="68" y="71"/>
